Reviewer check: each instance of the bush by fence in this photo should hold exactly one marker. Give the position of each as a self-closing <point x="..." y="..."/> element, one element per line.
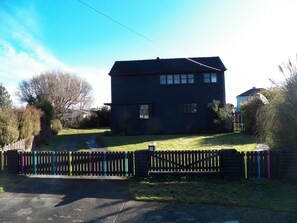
<point x="19" y="124"/>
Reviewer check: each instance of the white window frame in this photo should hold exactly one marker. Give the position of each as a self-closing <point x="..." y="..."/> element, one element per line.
<point x="144" y="111"/>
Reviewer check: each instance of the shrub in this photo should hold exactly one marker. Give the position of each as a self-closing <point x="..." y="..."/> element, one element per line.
<point x="28" y="124"/>
<point x="217" y="116"/>
<point x="250" y="110"/>
<point x="25" y="126"/>
<point x="90" y="122"/>
<point x="103" y="114"/>
<point x="56" y="126"/>
<point x="47" y="113"/>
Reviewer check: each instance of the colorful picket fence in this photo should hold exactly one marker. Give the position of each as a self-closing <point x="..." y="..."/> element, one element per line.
<point x="77" y="163"/>
<point x="260" y="164"/>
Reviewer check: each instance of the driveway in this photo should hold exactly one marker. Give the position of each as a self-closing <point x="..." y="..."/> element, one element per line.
<point x="106" y="200"/>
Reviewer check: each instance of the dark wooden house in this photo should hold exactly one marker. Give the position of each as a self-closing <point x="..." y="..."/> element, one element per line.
<point x="165" y="95"/>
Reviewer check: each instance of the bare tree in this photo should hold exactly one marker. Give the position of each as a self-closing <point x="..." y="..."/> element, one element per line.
<point x="64" y="90"/>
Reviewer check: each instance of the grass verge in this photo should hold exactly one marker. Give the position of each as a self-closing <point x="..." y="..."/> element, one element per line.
<point x="7" y="181"/>
<point x="264" y="194"/>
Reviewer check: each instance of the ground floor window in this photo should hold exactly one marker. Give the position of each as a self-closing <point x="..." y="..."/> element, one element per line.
<point x="144" y="112"/>
<point x="190" y="108"/>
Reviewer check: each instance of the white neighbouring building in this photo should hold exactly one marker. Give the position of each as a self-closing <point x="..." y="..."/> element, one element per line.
<point x="246" y="96"/>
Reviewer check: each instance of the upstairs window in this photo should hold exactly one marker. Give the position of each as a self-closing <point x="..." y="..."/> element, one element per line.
<point x="184" y="79"/>
<point x="190" y="108"/>
<point x="144" y="112"/>
<point x="213" y="78"/>
<point x="191" y="78"/>
<point x="169" y="79"/>
<point x="177" y="79"/>
<point x="163" y="79"/>
<point x="210" y="78"/>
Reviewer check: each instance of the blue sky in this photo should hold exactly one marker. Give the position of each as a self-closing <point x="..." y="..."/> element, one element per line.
<point x="251" y="37"/>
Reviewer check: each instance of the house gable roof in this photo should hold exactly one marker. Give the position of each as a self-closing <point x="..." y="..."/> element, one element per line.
<point x="250" y="92"/>
<point x="161" y="66"/>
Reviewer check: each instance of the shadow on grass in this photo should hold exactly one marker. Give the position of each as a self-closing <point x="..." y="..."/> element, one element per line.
<point x="231" y="139"/>
<point x="71" y="142"/>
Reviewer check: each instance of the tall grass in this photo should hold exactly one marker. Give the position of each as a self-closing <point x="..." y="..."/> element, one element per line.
<point x="278" y="119"/>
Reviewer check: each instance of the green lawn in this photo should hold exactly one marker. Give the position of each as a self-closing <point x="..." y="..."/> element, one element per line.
<point x="238" y="141"/>
<point x="75" y="139"/>
<point x="267" y="194"/>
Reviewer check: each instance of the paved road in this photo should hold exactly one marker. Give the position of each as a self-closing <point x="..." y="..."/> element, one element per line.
<point x="97" y="200"/>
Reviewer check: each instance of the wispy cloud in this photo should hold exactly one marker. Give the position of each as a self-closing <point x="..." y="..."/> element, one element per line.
<point x="23" y="55"/>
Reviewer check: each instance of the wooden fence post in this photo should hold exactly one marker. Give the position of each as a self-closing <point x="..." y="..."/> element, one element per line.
<point x="141" y="163"/>
<point x="230" y="164"/>
<point x="13" y="162"/>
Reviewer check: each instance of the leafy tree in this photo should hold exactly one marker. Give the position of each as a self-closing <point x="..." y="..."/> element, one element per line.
<point x="63" y="90"/>
<point x="8" y="127"/>
<point x="5" y="101"/>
